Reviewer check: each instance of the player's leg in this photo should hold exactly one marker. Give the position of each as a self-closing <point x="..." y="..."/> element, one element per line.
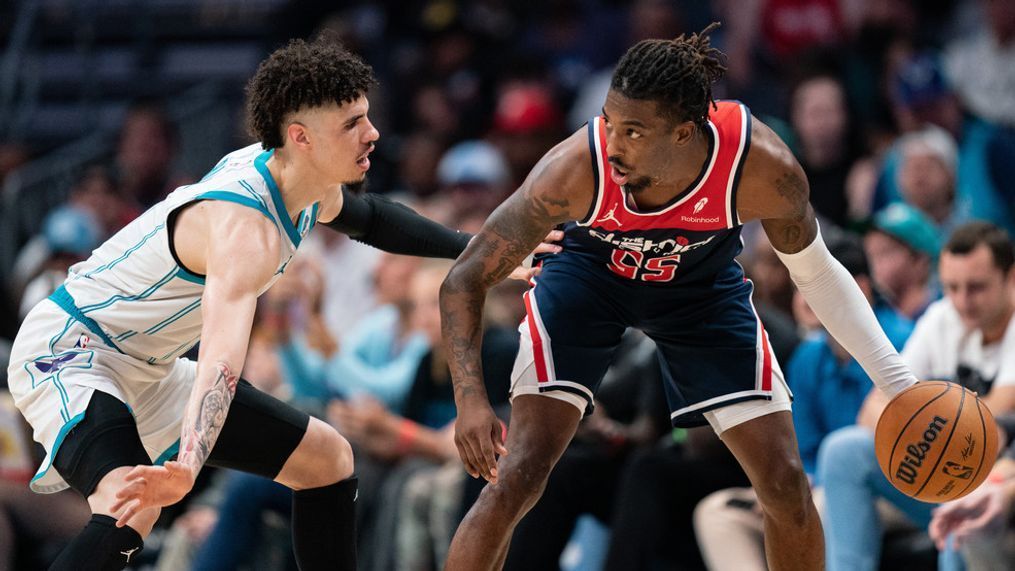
<point x="766" y="447"/>
<point x="540" y="430"/>
<point x="94" y="459"/>
<point x="265" y="436"/>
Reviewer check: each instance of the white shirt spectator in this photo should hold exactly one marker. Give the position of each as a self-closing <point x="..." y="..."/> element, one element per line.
<point x="942" y="348"/>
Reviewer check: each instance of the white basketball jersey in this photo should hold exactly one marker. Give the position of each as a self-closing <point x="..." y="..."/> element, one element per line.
<point x="134" y="294"/>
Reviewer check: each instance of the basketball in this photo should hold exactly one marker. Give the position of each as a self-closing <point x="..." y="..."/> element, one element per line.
<point x="936" y="441"/>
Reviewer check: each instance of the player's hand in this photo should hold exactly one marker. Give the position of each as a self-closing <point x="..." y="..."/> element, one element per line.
<point x="152" y="487"/>
<point x="547" y="246"/>
<point x="479" y="438"/>
<point x="986" y="509"/>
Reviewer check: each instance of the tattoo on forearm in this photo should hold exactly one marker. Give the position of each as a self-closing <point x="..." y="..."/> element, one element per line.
<point x="510" y="234"/>
<point x="203" y="425"/>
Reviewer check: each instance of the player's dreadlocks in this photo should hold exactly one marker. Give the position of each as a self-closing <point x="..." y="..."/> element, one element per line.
<point x="677" y="73"/>
<point x="298" y="76"/>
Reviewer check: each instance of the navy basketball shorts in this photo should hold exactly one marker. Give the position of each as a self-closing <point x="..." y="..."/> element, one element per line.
<point x="716" y="361"/>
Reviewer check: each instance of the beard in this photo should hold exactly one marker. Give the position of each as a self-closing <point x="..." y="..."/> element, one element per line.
<point x="637" y="185"/>
<point x="356" y="186"/>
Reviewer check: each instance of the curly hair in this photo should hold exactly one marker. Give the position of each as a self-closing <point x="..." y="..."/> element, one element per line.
<point x="677" y="73"/>
<point x="298" y="76"/>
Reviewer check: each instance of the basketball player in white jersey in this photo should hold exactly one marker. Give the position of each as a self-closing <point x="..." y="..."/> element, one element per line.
<point x="96" y="367"/>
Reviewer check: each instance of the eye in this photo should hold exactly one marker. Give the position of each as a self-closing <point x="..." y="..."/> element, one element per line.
<point x="633" y="134"/>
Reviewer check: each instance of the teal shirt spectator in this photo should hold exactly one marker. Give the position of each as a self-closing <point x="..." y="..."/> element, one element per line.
<point x="827" y="393"/>
<point x="976" y="196"/>
<point x="372" y="361"/>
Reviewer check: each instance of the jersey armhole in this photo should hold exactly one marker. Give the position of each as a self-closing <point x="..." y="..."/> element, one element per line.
<point x="185" y="272"/>
<point x="597" y="177"/>
<point x="734" y="216"/>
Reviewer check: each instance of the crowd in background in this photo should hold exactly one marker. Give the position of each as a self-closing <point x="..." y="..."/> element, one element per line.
<point x="902" y="114"/>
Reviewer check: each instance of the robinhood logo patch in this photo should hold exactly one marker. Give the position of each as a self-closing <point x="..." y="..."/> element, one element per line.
<point x="909" y="468"/>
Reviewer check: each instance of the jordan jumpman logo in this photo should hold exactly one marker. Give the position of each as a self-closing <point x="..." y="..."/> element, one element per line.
<point x="129" y="552"/>
<point x="611" y="216"/>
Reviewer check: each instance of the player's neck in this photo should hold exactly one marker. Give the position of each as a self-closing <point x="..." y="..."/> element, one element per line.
<point x="299" y="187"/>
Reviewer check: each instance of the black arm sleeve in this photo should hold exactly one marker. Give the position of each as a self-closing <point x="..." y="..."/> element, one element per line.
<point x="396" y="228"/>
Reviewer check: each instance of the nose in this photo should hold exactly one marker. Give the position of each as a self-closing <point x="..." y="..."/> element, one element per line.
<point x="614" y="147"/>
<point x="371" y="134"/>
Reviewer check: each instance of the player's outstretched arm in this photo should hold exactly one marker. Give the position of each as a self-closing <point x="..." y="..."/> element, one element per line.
<point x="393" y="227"/>
<point x="558" y="189"/>
<point x="775" y="190"/>
<point x="396" y="228"/>
<point x="240" y="256"/>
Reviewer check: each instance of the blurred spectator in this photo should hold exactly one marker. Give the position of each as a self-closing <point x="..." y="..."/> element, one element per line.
<point x="69" y="234"/>
<point x="377" y="359"/>
<point x="417" y="166"/>
<point x="397" y="444"/>
<point x="967" y="338"/>
<point x="98" y="212"/>
<point x="902" y="247"/>
<point x="773" y="294"/>
<point x="922" y="98"/>
<point x="96" y="191"/>
<point x="526" y="124"/>
<point x="828" y="388"/>
<point x="765" y="36"/>
<point x="981" y="524"/>
<point x="145" y="152"/>
<point x="33" y="528"/>
<point x="339" y="253"/>
<point x="980" y="66"/>
<point x="822" y="124"/>
<point x="926" y="175"/>
<point x="475" y="178"/>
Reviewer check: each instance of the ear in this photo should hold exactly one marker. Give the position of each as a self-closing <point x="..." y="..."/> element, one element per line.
<point x="298" y="134"/>
<point x="683" y="133"/>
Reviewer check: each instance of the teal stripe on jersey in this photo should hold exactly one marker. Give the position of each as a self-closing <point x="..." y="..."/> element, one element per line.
<point x="124" y="335"/>
<point x="183" y="274"/>
<point x="313" y="214"/>
<point x="168" y="454"/>
<point x="253" y="193"/>
<point x="165" y="322"/>
<point x="182" y="348"/>
<point x="221" y="164"/>
<point x="63" y="298"/>
<point x="260" y="163"/>
<point x="127" y="336"/>
<point x="237" y="198"/>
<point x="154" y="287"/>
<point x="126" y="253"/>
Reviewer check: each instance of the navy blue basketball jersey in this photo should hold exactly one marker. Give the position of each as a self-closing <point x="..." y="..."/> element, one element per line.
<point x="693" y="237"/>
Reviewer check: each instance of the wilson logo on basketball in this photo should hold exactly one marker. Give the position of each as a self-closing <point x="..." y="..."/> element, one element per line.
<point x="909" y="468"/>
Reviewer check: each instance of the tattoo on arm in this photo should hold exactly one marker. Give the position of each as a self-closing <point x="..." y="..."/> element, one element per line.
<point x="203" y="424"/>
<point x="793" y="188"/>
<point x="509" y="235"/>
<point x="796" y="229"/>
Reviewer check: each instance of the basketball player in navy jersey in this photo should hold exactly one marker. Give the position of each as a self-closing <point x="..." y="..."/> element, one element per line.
<point x="652" y="195"/>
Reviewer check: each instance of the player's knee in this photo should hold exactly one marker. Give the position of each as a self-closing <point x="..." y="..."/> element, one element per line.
<point x="103" y="498"/>
<point x="784" y="492"/>
<point x="334" y="456"/>
<point x="323" y="458"/>
<point x="521" y="485"/>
